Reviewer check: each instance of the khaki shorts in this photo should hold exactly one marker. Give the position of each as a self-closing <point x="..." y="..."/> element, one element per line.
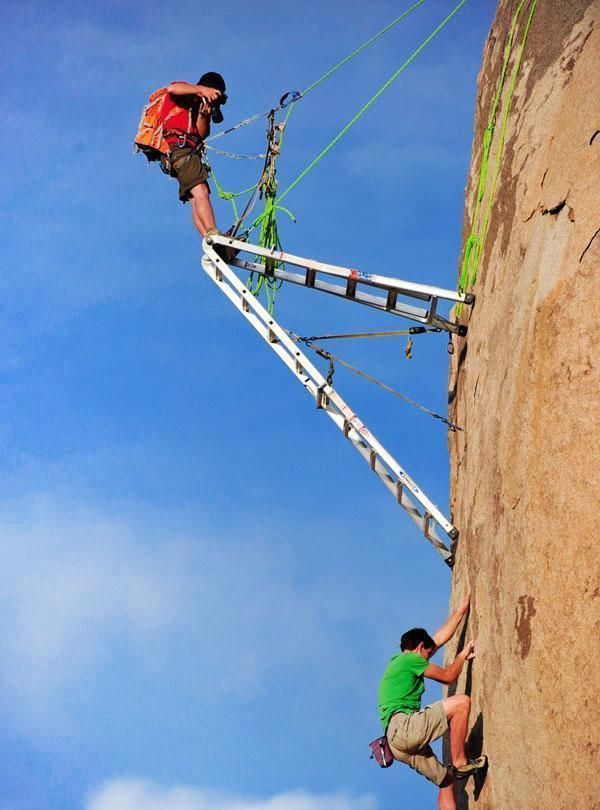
<point x="409" y="736"/>
<point x="189" y="170"/>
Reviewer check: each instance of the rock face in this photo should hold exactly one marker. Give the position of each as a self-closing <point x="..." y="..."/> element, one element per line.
<point x="525" y="385"/>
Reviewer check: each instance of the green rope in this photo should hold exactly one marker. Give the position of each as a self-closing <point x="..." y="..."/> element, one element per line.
<point x="269" y="238"/>
<point x="230" y="195"/>
<point x="347" y="59"/>
<point x="479" y="230"/>
<point x="365" y="45"/>
<point x="269" y="235"/>
<point x="225" y="195"/>
<point x="371" y="101"/>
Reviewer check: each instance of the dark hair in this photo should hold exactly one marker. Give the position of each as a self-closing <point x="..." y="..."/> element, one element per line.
<point x="412" y="638"/>
<point x="212" y="79"/>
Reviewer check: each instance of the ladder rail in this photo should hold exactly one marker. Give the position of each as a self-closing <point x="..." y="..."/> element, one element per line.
<point x="306" y="278"/>
<point x="400" y="308"/>
<point x="385" y="466"/>
<point x="353" y="284"/>
<point x="373" y="279"/>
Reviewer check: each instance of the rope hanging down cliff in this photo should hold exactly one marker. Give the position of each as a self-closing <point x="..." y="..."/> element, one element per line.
<point x="481" y="216"/>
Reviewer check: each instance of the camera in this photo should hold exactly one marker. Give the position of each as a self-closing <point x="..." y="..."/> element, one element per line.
<point x="216" y="116"/>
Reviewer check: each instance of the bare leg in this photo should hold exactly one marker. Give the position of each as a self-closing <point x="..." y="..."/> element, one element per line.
<point x="446" y="800"/>
<point x="202" y="210"/>
<point x="457" y="711"/>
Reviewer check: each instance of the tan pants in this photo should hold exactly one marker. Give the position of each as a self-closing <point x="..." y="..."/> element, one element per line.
<point x="409" y="736"/>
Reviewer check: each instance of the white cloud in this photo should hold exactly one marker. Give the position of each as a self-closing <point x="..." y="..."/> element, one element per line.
<point x="85" y="589"/>
<point x="133" y="794"/>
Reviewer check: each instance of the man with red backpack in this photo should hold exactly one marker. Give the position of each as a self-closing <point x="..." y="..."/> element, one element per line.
<point x="173" y="127"/>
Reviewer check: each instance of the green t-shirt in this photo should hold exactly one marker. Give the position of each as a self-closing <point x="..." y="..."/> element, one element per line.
<point x="402" y="685"/>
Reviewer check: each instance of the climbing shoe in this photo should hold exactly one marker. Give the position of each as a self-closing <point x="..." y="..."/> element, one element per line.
<point x="471" y="767"/>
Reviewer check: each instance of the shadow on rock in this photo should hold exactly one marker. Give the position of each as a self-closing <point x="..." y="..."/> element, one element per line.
<point x="453" y="686"/>
<point x="460" y="363"/>
<point x="474" y="750"/>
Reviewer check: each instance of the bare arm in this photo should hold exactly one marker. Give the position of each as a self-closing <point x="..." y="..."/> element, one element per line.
<point x="203" y="121"/>
<point x="448" y="629"/>
<point x="450" y="673"/>
<point x="187" y="89"/>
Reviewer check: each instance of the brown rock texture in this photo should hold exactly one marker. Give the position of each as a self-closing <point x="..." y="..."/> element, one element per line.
<point x="525" y="386"/>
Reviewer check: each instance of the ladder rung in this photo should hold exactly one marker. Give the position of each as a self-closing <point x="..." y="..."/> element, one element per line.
<point x="322" y="400"/>
<point x="399" y="489"/>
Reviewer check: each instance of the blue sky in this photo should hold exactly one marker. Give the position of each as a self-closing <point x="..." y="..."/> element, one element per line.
<point x="202" y="582"/>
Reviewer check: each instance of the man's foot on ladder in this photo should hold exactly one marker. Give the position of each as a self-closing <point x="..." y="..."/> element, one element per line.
<point x="225" y="252"/>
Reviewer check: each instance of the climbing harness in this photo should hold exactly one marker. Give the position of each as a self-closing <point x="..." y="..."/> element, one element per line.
<point x="481" y="216"/>
<point x="407" y="493"/>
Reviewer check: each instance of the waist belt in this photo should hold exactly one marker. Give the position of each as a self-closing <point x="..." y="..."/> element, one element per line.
<point x="177" y="139"/>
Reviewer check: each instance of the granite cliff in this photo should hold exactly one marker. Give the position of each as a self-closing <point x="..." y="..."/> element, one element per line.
<point x="524" y="385"/>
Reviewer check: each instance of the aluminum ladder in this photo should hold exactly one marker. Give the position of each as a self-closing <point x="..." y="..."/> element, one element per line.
<point x="384" y="293"/>
<point x="407" y="493"/>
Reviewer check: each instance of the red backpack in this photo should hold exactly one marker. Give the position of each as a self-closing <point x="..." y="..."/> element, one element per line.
<point x="158" y="113"/>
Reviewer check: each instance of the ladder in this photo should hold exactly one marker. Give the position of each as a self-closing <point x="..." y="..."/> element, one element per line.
<point x="384" y="293"/>
<point x="407" y="493"/>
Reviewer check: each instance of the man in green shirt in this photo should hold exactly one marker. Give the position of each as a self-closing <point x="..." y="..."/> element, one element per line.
<point x="408" y="728"/>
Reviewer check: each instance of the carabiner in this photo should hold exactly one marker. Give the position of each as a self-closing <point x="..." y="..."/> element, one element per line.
<point x="289" y="98"/>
